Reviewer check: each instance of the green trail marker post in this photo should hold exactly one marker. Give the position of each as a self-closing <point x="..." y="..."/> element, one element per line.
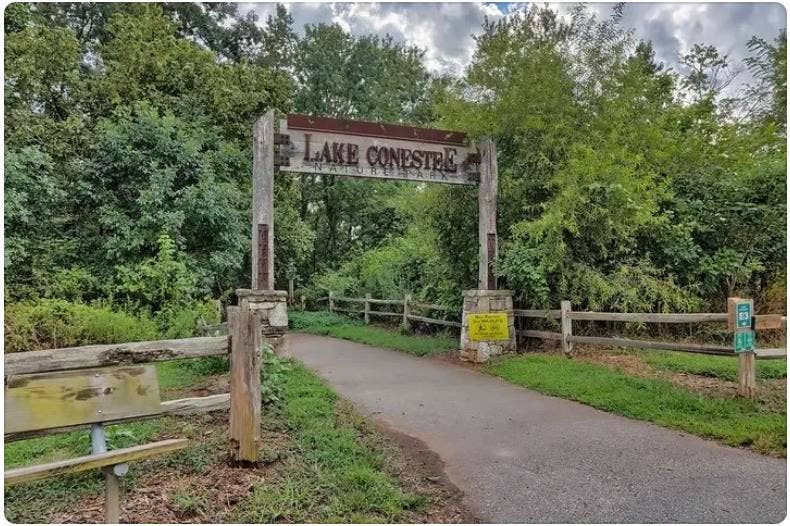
<point x="739" y="322"/>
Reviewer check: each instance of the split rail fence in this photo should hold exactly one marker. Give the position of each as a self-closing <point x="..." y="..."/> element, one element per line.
<point x="407" y="306"/>
<point x="565" y="316"/>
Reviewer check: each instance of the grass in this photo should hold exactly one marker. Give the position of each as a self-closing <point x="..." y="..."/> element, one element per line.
<point x="724" y="367"/>
<point x="330" y="467"/>
<point x="335" y="325"/>
<point x="732" y="421"/>
<point x="336" y="476"/>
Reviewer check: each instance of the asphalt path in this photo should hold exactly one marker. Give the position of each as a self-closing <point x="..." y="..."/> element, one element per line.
<point x="520" y="456"/>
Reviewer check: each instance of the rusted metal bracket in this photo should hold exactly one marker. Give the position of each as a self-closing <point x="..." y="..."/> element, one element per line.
<point x="283" y="149"/>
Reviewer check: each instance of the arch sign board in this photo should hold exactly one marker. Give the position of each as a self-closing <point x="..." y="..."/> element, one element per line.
<point x="302" y="144"/>
<point x="320" y="145"/>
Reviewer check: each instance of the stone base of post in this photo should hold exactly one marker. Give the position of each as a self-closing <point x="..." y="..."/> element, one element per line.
<point x="478" y="301"/>
<point x="273" y="308"/>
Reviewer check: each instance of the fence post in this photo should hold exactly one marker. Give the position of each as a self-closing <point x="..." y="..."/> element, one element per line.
<point x="291" y="299"/>
<point x="739" y="323"/>
<point x="331" y="303"/>
<point x="367" y="308"/>
<point x="244" y="335"/>
<point x="303" y="302"/>
<point x="406" y="312"/>
<point x="567" y="327"/>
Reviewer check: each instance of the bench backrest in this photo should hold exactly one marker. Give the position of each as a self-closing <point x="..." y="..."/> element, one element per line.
<point x="85" y="396"/>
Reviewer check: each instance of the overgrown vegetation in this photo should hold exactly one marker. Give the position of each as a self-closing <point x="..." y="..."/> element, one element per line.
<point x="736" y="422"/>
<point x="625" y="183"/>
<point x="335" y="325"/>
<point x="50" y="323"/>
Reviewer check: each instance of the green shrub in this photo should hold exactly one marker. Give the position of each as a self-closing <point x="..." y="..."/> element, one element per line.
<point x="182" y="321"/>
<point x="50" y="323"/>
<point x="316" y="320"/>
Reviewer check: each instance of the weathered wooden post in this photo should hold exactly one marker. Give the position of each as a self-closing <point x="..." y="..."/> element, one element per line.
<point x="244" y="334"/>
<point x="406" y="312"/>
<point x="263" y="203"/>
<point x="487" y="322"/>
<point x="739" y="323"/>
<point x="302" y="298"/>
<point x="331" y="303"/>
<point x="567" y="327"/>
<point x="368" y="296"/>
<point x="487" y="201"/>
<point x="291" y="299"/>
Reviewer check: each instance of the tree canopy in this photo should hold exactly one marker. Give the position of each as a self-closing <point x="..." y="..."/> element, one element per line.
<point x="624" y="184"/>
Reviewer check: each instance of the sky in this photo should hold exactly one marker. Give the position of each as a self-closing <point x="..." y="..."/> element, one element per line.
<point x="444" y="30"/>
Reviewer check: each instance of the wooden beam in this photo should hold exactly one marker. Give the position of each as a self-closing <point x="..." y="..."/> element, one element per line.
<point x="245" y="383"/>
<point x="349" y="300"/>
<point x="182" y="406"/>
<point x="648" y="344"/>
<point x="75" y="465"/>
<point x="385" y="302"/>
<point x="538" y="313"/>
<point x="487" y="203"/>
<point x="434" y="321"/>
<point x="263" y="202"/>
<point x="367" y="308"/>
<point x="771" y="354"/>
<point x="381" y="313"/>
<point x="544" y="335"/>
<point x="649" y="317"/>
<point x="764" y="322"/>
<point x="112" y="354"/>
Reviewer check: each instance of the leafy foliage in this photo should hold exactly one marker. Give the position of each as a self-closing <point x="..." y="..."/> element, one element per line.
<point x="623" y="184"/>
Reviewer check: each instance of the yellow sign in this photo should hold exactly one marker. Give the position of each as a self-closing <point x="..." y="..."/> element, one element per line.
<point x="488" y="326"/>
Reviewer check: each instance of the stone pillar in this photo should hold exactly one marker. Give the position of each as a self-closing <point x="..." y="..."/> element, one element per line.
<point x="484" y="302"/>
<point x="273" y="308"/>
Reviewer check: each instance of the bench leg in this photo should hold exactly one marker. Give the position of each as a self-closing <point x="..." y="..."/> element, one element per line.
<point x="112" y="497"/>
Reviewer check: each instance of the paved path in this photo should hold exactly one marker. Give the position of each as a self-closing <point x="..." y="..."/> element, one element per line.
<point x="520" y="456"/>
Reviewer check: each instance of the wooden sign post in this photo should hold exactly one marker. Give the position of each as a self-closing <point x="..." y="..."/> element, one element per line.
<point x="263" y="203"/>
<point x="739" y="321"/>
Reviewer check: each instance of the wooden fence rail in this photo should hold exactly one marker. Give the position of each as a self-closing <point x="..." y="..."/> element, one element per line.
<point x="406" y="305"/>
<point x="566" y="316"/>
<point x="746" y="360"/>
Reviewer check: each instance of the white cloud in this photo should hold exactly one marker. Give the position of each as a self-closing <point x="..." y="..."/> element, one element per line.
<point x="444" y="30"/>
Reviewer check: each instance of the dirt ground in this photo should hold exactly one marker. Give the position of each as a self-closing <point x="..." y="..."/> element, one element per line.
<point x="211" y="495"/>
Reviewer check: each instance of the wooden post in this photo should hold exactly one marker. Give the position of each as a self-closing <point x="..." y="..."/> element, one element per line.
<point x="487" y="201"/>
<point x="244" y="332"/>
<point x="567" y="327"/>
<point x="303" y="302"/>
<point x="331" y="302"/>
<point x="291" y="299"/>
<point x="367" y="308"/>
<point x="406" y="312"/>
<point x="112" y="497"/>
<point x="263" y="202"/>
<point x="747" y="377"/>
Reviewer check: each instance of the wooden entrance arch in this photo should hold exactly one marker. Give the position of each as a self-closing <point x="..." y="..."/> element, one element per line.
<point x="326" y="146"/>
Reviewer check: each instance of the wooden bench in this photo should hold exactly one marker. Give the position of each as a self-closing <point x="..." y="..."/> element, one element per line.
<point x="63" y="399"/>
